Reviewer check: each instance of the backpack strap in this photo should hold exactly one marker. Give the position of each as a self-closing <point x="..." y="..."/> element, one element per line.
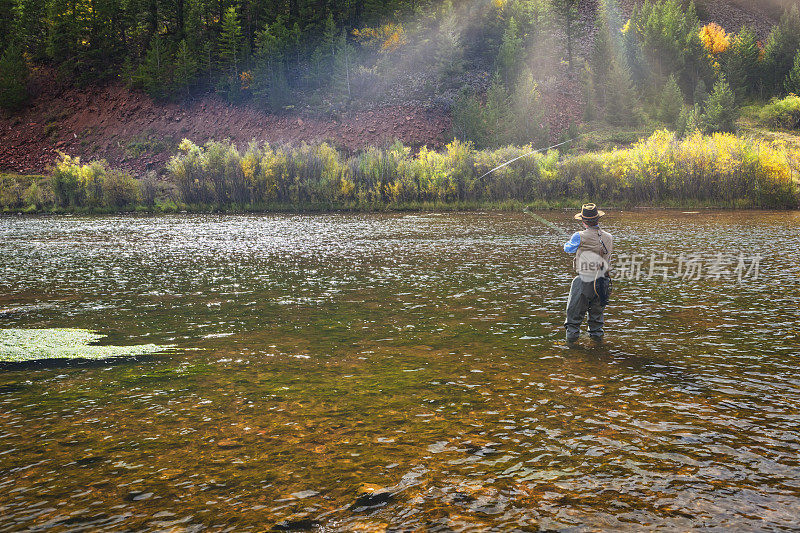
<point x="600" y="238"/>
<point x="605" y="250"/>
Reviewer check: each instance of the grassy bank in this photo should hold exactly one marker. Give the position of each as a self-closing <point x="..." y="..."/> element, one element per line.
<point x="698" y="171"/>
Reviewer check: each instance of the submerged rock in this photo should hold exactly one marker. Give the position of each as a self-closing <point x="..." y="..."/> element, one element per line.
<point x="370" y="495"/>
<point x="228" y="444"/>
<point x="296" y="522"/>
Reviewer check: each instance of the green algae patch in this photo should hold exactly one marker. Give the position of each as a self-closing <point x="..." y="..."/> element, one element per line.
<point x="19" y="345"/>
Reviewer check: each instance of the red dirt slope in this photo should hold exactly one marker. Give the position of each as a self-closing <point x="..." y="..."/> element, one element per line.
<point x="131" y="131"/>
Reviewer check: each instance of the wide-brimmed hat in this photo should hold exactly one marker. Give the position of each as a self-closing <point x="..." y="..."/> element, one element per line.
<point x="589" y="212"/>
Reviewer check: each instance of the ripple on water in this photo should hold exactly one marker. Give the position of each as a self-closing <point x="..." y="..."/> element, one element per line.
<point x="375" y="372"/>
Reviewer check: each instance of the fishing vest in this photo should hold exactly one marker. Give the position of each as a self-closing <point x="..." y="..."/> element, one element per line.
<point x="599" y="260"/>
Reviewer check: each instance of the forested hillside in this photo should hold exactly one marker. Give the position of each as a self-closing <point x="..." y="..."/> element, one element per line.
<point x="492" y="72"/>
<point x="249" y="50"/>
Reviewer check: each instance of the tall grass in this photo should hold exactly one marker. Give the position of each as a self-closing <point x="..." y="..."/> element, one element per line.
<point x="720" y="169"/>
<point x="716" y="170"/>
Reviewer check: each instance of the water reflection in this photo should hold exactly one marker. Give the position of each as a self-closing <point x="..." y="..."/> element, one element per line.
<point x="370" y="372"/>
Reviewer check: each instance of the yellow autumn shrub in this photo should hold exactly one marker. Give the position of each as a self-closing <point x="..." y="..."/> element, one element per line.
<point x="715" y="38"/>
<point x="720" y="169"/>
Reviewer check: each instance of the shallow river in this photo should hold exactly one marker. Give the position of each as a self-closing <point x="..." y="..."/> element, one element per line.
<point x="316" y="358"/>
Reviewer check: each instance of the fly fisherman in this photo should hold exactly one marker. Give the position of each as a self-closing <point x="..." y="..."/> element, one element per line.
<point x="590" y="288"/>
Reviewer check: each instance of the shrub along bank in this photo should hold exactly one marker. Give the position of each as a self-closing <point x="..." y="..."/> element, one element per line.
<point x="717" y="170"/>
<point x="782" y="113"/>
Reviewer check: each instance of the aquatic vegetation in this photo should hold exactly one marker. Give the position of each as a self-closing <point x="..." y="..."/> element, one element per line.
<point x="17" y="345"/>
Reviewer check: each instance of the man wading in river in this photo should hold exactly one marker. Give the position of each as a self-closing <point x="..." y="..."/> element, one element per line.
<point x="589" y="291"/>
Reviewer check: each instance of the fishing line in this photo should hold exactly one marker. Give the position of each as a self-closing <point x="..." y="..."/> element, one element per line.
<point x="547" y="223"/>
<point x="528" y="154"/>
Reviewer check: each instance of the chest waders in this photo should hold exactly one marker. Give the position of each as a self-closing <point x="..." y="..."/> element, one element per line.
<point x="602" y="285"/>
<point x="588" y="292"/>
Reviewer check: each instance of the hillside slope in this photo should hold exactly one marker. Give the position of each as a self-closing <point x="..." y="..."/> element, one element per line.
<point x="132" y="131"/>
<point x="759" y="15"/>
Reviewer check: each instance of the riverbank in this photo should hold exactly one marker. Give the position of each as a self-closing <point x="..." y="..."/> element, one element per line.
<point x="465" y="207"/>
<point x="719" y="171"/>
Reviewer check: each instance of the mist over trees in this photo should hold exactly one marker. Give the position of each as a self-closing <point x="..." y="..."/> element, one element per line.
<point x="240" y="48"/>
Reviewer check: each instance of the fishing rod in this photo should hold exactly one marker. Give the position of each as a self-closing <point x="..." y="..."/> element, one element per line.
<point x="547" y="223"/>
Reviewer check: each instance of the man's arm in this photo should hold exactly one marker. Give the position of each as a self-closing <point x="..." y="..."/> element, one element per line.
<point x="572" y="245"/>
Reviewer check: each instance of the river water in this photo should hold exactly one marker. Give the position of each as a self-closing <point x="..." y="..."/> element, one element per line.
<point x="316" y="358"/>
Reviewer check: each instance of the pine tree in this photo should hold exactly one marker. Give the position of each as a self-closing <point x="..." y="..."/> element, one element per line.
<point x="28" y="21"/>
<point x="602" y="61"/>
<point x="153" y="75"/>
<point x="634" y="57"/>
<point x="330" y="40"/>
<point x="667" y="30"/>
<point x="468" y="119"/>
<point x="509" y="56"/>
<point x="610" y="86"/>
<point x="296" y="38"/>
<point x="270" y="86"/>
<point x="316" y="66"/>
<point x="185" y="68"/>
<point x="497" y="114"/>
<point x="589" y="94"/>
<point x="622" y="104"/>
<point x="697" y="64"/>
<point x="781" y="48"/>
<point x="343" y="65"/>
<point x="64" y="34"/>
<point x="689" y="121"/>
<point x="447" y="49"/>
<point x="568" y="12"/>
<point x="700" y="93"/>
<point x="194" y="27"/>
<point x="529" y="124"/>
<point x="230" y="43"/>
<point x="792" y="83"/>
<point x="267" y="50"/>
<point x="13" y="79"/>
<point x="741" y="63"/>
<point x="720" y="109"/>
<point x="7" y="8"/>
<point x="670" y="102"/>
